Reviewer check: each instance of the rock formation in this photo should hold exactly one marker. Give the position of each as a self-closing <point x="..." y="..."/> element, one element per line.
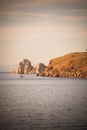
<point x="24" y="67"/>
<point x="71" y="65"/>
<point x="38" y="68"/>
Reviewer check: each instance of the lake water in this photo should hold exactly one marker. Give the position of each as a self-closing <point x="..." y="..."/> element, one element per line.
<point x="41" y="103"/>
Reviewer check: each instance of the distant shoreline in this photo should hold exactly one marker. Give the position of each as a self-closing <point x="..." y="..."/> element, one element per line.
<point x="5" y="72"/>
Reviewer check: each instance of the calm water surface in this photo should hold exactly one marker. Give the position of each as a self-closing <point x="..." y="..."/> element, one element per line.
<point x="40" y="103"/>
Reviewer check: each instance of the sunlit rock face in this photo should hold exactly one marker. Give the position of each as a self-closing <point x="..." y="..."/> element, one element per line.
<point x="15" y="71"/>
<point x="72" y="65"/>
<point x="38" y="68"/>
<point x="24" y="67"/>
<point x="27" y="66"/>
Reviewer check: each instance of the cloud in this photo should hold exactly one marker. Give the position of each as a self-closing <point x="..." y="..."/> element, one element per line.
<point x="43" y="13"/>
<point x="37" y="6"/>
<point x="21" y="17"/>
<point x="17" y="4"/>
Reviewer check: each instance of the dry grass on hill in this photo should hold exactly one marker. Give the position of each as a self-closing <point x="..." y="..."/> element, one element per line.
<point x="70" y="65"/>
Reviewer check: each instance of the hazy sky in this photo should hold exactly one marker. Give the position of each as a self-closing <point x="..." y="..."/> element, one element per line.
<point x="40" y="30"/>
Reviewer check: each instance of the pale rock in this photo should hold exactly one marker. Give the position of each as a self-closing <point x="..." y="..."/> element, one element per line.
<point x="24" y="67"/>
<point x="38" y="68"/>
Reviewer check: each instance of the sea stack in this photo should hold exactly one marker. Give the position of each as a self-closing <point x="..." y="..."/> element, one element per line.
<point x="24" y="67"/>
<point x="38" y="68"/>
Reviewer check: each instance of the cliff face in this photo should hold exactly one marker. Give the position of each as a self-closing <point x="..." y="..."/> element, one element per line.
<point x="71" y="65"/>
<point x="24" y="67"/>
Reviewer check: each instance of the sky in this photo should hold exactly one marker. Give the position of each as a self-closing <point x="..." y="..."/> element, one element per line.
<point x="40" y="30"/>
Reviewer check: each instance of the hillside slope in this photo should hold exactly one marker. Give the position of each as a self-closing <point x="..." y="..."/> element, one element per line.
<point x="70" y="65"/>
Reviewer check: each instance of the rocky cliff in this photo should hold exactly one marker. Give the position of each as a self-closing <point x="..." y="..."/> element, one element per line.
<point x="24" y="67"/>
<point x="71" y="65"/>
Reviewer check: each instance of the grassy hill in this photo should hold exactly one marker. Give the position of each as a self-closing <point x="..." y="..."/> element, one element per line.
<point x="70" y="65"/>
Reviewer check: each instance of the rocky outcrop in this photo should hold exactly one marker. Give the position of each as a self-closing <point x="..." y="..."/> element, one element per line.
<point x="71" y="65"/>
<point x="24" y="67"/>
<point x="38" y="68"/>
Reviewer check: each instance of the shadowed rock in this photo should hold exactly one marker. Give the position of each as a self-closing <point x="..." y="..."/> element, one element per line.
<point x="38" y="68"/>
